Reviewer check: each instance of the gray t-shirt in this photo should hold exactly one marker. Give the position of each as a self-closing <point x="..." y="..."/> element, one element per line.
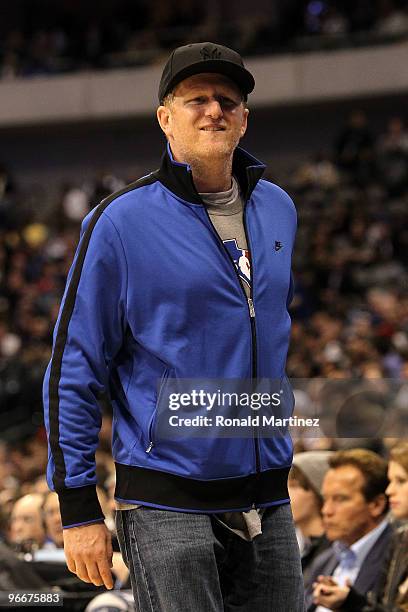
<point x="226" y="211"/>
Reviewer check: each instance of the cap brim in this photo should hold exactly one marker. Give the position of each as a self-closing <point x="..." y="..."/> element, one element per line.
<point x="238" y="74"/>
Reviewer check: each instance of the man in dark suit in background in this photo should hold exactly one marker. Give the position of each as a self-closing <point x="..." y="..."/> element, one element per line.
<point x="354" y="517"/>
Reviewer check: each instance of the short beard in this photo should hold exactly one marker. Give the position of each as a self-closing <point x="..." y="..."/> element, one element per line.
<point x="210" y="158"/>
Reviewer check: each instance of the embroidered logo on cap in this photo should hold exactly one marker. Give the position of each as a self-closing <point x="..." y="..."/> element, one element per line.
<point x="209" y="53"/>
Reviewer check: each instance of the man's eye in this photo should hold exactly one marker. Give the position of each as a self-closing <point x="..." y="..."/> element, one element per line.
<point x="228" y="103"/>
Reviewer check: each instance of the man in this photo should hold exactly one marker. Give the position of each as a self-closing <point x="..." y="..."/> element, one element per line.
<point x="52" y="520"/>
<point x="354" y="517"/>
<point x="184" y="274"/>
<point x="305" y="483"/>
<point x="26" y="523"/>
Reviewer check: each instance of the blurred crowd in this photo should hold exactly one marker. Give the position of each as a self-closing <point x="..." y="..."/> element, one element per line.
<point x="350" y="321"/>
<point x="350" y="308"/>
<point x="44" y="37"/>
<point x="350" y="509"/>
<point x="350" y="312"/>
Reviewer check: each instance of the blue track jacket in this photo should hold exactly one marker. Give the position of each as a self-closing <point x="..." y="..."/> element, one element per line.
<point x="153" y="293"/>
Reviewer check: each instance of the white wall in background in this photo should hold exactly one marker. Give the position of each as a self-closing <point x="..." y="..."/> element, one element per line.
<point x="297" y="78"/>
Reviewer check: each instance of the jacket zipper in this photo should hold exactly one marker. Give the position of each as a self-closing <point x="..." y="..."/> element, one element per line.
<point x="151" y="441"/>
<point x="254" y="347"/>
<point x="251" y="311"/>
<point x="153" y="421"/>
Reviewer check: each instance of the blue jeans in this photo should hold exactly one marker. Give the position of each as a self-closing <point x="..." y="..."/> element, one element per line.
<point x="181" y="562"/>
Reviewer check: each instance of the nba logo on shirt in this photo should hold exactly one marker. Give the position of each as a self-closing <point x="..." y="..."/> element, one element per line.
<point x="241" y="260"/>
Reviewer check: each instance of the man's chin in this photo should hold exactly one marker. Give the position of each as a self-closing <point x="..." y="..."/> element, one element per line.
<point x="333" y="535"/>
<point x="215" y="150"/>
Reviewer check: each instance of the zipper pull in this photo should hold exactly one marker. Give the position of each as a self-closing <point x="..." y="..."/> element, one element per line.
<point x="149" y="448"/>
<point x="251" y="308"/>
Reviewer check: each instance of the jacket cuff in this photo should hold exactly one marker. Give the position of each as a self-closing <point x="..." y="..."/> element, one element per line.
<point x="80" y="506"/>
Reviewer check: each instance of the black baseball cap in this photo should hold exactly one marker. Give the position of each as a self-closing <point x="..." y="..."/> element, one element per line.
<point x="204" y="57"/>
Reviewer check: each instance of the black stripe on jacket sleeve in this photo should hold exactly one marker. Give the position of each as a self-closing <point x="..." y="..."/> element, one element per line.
<point x="72" y="508"/>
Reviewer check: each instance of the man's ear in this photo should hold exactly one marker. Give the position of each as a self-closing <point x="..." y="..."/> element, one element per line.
<point x="163" y="117"/>
<point x="378" y="505"/>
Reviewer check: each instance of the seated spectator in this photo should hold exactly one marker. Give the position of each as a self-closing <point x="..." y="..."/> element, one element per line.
<point x="305" y="482"/>
<point x="319" y="172"/>
<point x="393" y="19"/>
<point x="28" y="456"/>
<point x="40" y="485"/>
<point x="393" y="590"/>
<point x="27" y="531"/>
<point x="395" y="138"/>
<point x="52" y="520"/>
<point x="354" y="516"/>
<point x="393" y="157"/>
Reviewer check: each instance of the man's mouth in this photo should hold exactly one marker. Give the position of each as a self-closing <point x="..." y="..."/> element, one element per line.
<point x="212" y="129"/>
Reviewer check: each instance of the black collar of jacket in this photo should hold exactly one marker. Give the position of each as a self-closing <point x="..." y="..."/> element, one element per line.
<point x="178" y="177"/>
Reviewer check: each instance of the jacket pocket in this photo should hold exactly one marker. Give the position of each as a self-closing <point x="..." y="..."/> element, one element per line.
<point x="153" y="419"/>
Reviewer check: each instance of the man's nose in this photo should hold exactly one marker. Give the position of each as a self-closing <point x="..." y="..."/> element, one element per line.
<point x="327" y="509"/>
<point x="214" y="109"/>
